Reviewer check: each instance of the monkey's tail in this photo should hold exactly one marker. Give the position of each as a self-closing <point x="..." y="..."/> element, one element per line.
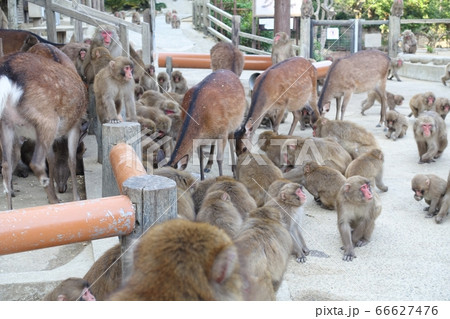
<point x="10" y="93"/>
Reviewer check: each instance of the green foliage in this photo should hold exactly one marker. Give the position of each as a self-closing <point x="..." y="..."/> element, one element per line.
<point x="117" y="5"/>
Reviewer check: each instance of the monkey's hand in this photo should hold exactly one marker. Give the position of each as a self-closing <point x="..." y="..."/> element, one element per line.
<point x="301" y="259"/>
<point x="361" y="243"/>
<point x="349" y="256"/>
<point x="114" y="121"/>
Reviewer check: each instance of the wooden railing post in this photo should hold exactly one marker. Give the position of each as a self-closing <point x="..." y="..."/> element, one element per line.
<point x="305" y="37"/>
<point x="394" y="35"/>
<point x="155" y="201"/>
<point x="123" y="36"/>
<point x="112" y="134"/>
<point x="205" y="11"/>
<point x="235" y="29"/>
<point x="51" y="21"/>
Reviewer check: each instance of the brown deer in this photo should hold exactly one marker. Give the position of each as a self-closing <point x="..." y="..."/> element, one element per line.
<point x="213" y="109"/>
<point x="357" y="73"/>
<point x="43" y="100"/>
<point x="287" y="85"/>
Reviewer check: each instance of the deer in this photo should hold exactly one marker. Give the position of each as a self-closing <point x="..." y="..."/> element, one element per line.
<point x="213" y="109"/>
<point x="287" y="85"/>
<point x="357" y="73"/>
<point x="43" y="100"/>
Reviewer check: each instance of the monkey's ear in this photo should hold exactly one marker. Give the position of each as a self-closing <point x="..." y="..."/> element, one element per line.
<point x="427" y="182"/>
<point x="225" y="196"/>
<point x="307" y="168"/>
<point x="224" y="264"/>
<point x="61" y="298"/>
<point x="112" y="64"/>
<point x="346" y="187"/>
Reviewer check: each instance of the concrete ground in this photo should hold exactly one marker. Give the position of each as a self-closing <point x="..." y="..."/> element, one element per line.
<point x="407" y="258"/>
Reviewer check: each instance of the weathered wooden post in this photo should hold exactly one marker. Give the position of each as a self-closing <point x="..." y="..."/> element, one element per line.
<point x="147" y="45"/>
<point x="205" y="12"/>
<point x="305" y="37"/>
<point x="394" y="28"/>
<point x="112" y="134"/>
<point x="235" y="29"/>
<point x="51" y="21"/>
<point x="123" y="36"/>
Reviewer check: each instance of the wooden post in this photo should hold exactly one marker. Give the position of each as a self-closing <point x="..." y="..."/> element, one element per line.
<point x="169" y="66"/>
<point x="282" y="17"/>
<point x="1" y="47"/>
<point x="305" y="37"/>
<point x="123" y="36"/>
<point x="205" y="17"/>
<point x="235" y="29"/>
<point x="155" y="201"/>
<point x="394" y="35"/>
<point x="146" y="43"/>
<point x="78" y="31"/>
<point x="12" y="14"/>
<point x="112" y="134"/>
<point x="51" y="22"/>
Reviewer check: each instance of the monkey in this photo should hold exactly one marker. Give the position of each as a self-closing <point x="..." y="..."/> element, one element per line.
<point x="409" y="42"/>
<point x="238" y="193"/>
<point x="274" y="146"/>
<point x="105" y="36"/>
<point x="163" y="82"/>
<point x="307" y="9"/>
<point x="77" y="53"/>
<point x="136" y="18"/>
<point x="372" y="96"/>
<point x="397" y="8"/>
<point x="162" y="122"/>
<point x="369" y="165"/>
<point x="152" y="98"/>
<point x="175" y="21"/>
<point x="183" y="260"/>
<point x="445" y="204"/>
<point x="227" y="56"/>
<point x="281" y="48"/>
<point x="264" y="246"/>
<point x="138" y="91"/>
<point x="168" y="17"/>
<point x="396" y="124"/>
<point x="306" y="116"/>
<point x="430" y="134"/>
<point x="105" y="275"/>
<point x="71" y="289"/>
<point x="100" y="58"/>
<point x="217" y="209"/>
<point x="174" y="97"/>
<point x="178" y="83"/>
<point x="114" y="86"/>
<point x="120" y="14"/>
<point x="446" y="75"/>
<point x="147" y="124"/>
<point x="421" y="102"/>
<point x="320" y="181"/>
<point x="393" y="68"/>
<point x="256" y="172"/>
<point x="430" y="187"/>
<point x="200" y="190"/>
<point x="355" y="139"/>
<point x="288" y="197"/>
<point x="185" y="182"/>
<point x="357" y="209"/>
<point x="442" y="106"/>
<point x="148" y="79"/>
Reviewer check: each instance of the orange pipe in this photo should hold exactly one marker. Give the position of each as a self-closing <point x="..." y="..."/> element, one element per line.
<point x="125" y="163"/>
<point x="66" y="223"/>
<point x="322" y="68"/>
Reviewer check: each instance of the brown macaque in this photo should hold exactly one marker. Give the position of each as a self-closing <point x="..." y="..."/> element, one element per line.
<point x="256" y="172"/>
<point x="104" y="36"/>
<point x="446" y="75"/>
<point x="163" y="82"/>
<point x="200" y="190"/>
<point x="114" y="86"/>
<point x="77" y="53"/>
<point x="288" y="197"/>
<point x="175" y="21"/>
<point x="152" y="98"/>
<point x="306" y="117"/>
<point x="105" y="275"/>
<point x="147" y="124"/>
<point x="217" y="209"/>
<point x="442" y="106"/>
<point x="228" y="57"/>
<point x="148" y="79"/>
<point x="325" y="151"/>
<point x="409" y="42"/>
<point x="139" y="66"/>
<point x="174" y="97"/>
<point x="66" y="106"/>
<point x="218" y="103"/>
<point x="421" y="102"/>
<point x="357" y="209"/>
<point x="162" y="122"/>
<point x="279" y="88"/>
<point x="239" y="195"/>
<point x="100" y="58"/>
<point x="397" y="125"/>
<point x="120" y="14"/>
<point x="168" y="17"/>
<point x="185" y="182"/>
<point x="178" y="83"/>
<point x="71" y="289"/>
<point x="281" y="48"/>
<point x="183" y="260"/>
<point x="397" y="8"/>
<point x="432" y="189"/>
<point x="369" y="165"/>
<point x="136" y="18"/>
<point x="396" y="64"/>
<point x="359" y="72"/>
<point x="445" y="204"/>
<point x="430" y="133"/>
<point x="275" y="145"/>
<point x="138" y="92"/>
<point x="355" y="139"/>
<point x="372" y="96"/>
<point x="307" y="9"/>
<point x="320" y="181"/>
<point x="264" y="246"/>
